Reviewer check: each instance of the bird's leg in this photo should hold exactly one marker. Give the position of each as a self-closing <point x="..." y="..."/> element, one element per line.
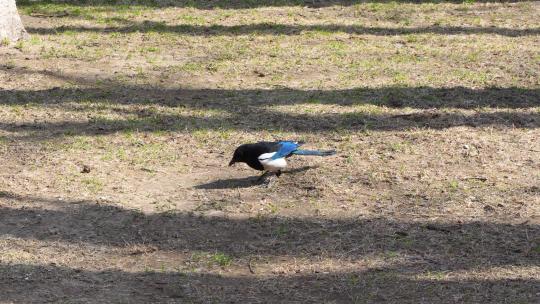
<point x="268" y="178"/>
<point x="262" y="176"/>
<point x="270" y="181"/>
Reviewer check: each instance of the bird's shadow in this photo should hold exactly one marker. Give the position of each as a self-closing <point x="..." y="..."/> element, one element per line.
<point x="246" y="182"/>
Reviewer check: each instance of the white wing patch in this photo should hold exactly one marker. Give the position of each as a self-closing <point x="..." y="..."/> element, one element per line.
<point x="270" y="164"/>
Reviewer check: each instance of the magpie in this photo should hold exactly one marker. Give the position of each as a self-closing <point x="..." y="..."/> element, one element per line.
<point x="270" y="156"/>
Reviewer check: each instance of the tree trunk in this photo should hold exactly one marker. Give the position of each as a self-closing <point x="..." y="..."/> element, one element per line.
<point x="11" y="26"/>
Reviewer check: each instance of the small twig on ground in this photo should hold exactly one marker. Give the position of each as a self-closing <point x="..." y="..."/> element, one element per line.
<point x="57" y="15"/>
<point x="151" y="170"/>
<point x="436" y="228"/>
<point x="480" y="178"/>
<point x="250" y="268"/>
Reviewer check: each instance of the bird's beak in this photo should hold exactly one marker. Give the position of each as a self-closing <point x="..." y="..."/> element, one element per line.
<point x="231" y="162"/>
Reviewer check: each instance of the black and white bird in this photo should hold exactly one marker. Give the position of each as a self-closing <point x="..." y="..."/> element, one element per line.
<point x="270" y="156"/>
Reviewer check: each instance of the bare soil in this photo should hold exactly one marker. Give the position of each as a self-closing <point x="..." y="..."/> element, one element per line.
<point x="117" y="123"/>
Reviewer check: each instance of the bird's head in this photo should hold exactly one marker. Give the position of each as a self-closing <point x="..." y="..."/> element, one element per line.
<point x="238" y="156"/>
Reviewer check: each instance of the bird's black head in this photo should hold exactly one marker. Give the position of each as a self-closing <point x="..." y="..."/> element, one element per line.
<point x="239" y="155"/>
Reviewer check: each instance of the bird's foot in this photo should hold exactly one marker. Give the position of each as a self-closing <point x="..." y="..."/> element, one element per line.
<point x="269" y="181"/>
<point x="262" y="177"/>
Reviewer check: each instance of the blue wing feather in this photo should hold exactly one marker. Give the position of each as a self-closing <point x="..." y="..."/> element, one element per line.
<point x="286" y="148"/>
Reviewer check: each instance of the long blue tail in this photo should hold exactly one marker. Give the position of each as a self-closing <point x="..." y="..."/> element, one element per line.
<point x="313" y="152"/>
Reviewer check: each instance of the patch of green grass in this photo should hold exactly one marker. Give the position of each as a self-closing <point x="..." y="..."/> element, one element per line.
<point x="403" y="57"/>
<point x="17" y="110"/>
<point x="473" y="56"/>
<point x="436" y="275"/>
<point x="93" y="184"/>
<point x="453" y="185"/>
<point x="350" y="160"/>
<point x="314" y="101"/>
<point x="191" y="19"/>
<point x="202" y="135"/>
<point x="337" y="46"/>
<point x="376" y="7"/>
<point x="400" y="78"/>
<point x="189" y="67"/>
<point x="5" y="42"/>
<point x="198" y="256"/>
<point x="273" y="208"/>
<point x="354" y="280"/>
<point x="152" y="152"/>
<point x="81" y="143"/>
<point x="399" y="147"/>
<point x="406" y="242"/>
<point x="98" y="10"/>
<point x="150" y="49"/>
<point x="369" y="109"/>
<point x="153" y="62"/>
<point x="111" y="21"/>
<point x="165" y="206"/>
<point x="140" y="73"/>
<point x="412" y="38"/>
<point x="391" y="254"/>
<point x="115" y="153"/>
<point x="221" y="259"/>
<point x="20" y="45"/>
<point x="34" y="40"/>
<point x="282" y="230"/>
<point x="471" y="76"/>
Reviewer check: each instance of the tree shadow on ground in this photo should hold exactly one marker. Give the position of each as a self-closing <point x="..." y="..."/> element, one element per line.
<point x="419" y="97"/>
<point x="255" y="109"/>
<point x="430" y="247"/>
<point x="32" y="283"/>
<point x="281" y="29"/>
<point x="456" y="245"/>
<point x="269" y="121"/>
<point x="239" y="4"/>
<point x="245" y="182"/>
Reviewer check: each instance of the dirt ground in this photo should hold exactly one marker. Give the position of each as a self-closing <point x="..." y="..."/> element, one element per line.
<point x="117" y="122"/>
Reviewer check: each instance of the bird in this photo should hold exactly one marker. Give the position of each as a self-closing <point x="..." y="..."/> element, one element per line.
<point x="269" y="157"/>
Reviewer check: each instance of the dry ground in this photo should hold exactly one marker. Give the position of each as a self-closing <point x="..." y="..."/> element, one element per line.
<point x="117" y="123"/>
